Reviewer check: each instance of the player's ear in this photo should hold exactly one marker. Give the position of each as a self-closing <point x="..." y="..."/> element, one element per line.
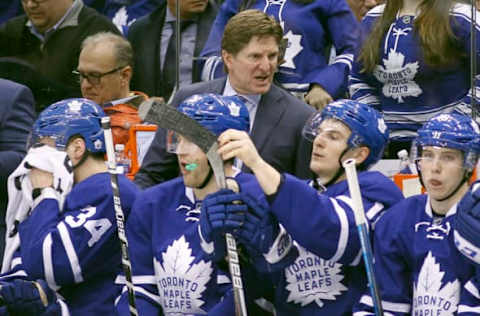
<point x="77" y="148"/>
<point x="361" y="154"/>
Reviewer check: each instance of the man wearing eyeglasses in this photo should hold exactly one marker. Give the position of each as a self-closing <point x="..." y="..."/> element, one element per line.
<point x="105" y="67"/>
<point x="49" y="36"/>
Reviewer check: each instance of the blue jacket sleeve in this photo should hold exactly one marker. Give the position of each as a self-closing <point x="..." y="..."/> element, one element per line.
<point x="323" y="225"/>
<point x="343" y="29"/>
<point x="16" y="122"/>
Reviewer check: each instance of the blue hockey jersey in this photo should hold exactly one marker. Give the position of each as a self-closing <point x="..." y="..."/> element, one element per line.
<point x="170" y="271"/>
<point x="76" y="250"/>
<point x="310" y="30"/>
<point x="328" y="276"/>
<point x="403" y="86"/>
<point x="418" y="268"/>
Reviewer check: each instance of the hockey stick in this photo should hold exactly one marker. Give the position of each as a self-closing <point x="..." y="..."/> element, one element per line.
<point x="360" y="220"/>
<point x="169" y="118"/>
<point x="473" y="59"/>
<point x="112" y="168"/>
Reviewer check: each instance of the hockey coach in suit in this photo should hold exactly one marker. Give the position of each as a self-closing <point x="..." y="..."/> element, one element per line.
<point x="251" y="52"/>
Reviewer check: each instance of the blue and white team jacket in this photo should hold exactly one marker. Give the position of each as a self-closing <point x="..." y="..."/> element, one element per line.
<point x="418" y="268"/>
<point x="76" y="250"/>
<point x="328" y="277"/>
<point x="310" y="30"/>
<point x="170" y="271"/>
<point x="403" y="86"/>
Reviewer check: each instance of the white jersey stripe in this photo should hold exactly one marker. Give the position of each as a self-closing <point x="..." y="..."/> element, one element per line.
<point x="71" y="253"/>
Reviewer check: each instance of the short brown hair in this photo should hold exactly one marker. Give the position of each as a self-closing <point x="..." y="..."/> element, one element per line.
<point x="247" y="24"/>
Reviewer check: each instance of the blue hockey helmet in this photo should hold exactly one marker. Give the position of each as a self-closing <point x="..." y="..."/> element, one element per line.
<point x="217" y="113"/>
<point x="450" y="130"/>
<point x="64" y="119"/>
<point x="366" y="125"/>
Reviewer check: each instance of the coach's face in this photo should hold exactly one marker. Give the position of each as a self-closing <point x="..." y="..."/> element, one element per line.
<point x="251" y="70"/>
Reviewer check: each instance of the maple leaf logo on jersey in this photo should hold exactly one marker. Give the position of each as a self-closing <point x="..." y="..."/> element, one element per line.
<point x="293" y="47"/>
<point x="429" y="297"/>
<point x="397" y="78"/>
<point x="313" y="279"/>
<point x="181" y="283"/>
<point x="121" y="19"/>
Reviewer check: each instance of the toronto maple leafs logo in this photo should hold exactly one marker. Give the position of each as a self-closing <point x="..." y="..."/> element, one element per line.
<point x="293" y="47"/>
<point x="429" y="297"/>
<point x="313" y="279"/>
<point x="121" y="19"/>
<point x="234" y="109"/>
<point x="181" y="283"/>
<point x="74" y="106"/>
<point x="397" y="78"/>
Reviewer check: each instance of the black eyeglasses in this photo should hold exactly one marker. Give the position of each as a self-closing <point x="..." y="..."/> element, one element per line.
<point x="94" y="77"/>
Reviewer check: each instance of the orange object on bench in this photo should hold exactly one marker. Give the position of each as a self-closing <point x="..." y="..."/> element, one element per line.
<point x="139" y="140"/>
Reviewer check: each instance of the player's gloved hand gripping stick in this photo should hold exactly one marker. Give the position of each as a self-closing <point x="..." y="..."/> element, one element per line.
<point x="112" y="168"/>
<point x="169" y="118"/>
<point x="360" y="220"/>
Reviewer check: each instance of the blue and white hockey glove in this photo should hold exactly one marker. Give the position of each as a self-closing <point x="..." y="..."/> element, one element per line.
<point x="23" y="297"/>
<point x="266" y="241"/>
<point x="220" y="213"/>
<point x="467" y="224"/>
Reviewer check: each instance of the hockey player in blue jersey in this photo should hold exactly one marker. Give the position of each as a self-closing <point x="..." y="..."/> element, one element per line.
<point x="69" y="239"/>
<point x="328" y="276"/>
<point x="173" y="231"/>
<point x="310" y="30"/>
<point x="419" y="270"/>
<point x="414" y="64"/>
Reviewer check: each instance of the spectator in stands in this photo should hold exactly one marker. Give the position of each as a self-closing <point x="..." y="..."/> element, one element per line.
<point x="105" y="68"/>
<point x="16" y="120"/>
<point x="124" y="13"/>
<point x="250" y="51"/>
<point x="49" y="36"/>
<point x="414" y="64"/>
<point x="311" y="28"/>
<point x="153" y="40"/>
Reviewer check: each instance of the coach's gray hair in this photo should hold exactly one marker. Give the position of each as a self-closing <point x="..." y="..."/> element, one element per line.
<point x="122" y="48"/>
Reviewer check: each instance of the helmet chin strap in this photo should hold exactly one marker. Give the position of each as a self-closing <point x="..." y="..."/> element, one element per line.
<point x="466" y="176"/>
<point x="82" y="160"/>
<point x="207" y="178"/>
<point x="338" y="174"/>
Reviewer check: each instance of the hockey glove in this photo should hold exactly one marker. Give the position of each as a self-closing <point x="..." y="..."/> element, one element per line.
<point x="467" y="224"/>
<point x="266" y="241"/>
<point x="220" y="213"/>
<point x="23" y="297"/>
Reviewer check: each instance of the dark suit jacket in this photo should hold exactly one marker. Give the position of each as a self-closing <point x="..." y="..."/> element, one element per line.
<point x="17" y="113"/>
<point x="144" y="35"/>
<point x="276" y="132"/>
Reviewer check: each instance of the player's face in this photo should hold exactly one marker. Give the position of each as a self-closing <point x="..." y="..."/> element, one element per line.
<point x="101" y="79"/>
<point x="442" y="170"/>
<point x="251" y="70"/>
<point x="328" y="145"/>
<point x="193" y="163"/>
